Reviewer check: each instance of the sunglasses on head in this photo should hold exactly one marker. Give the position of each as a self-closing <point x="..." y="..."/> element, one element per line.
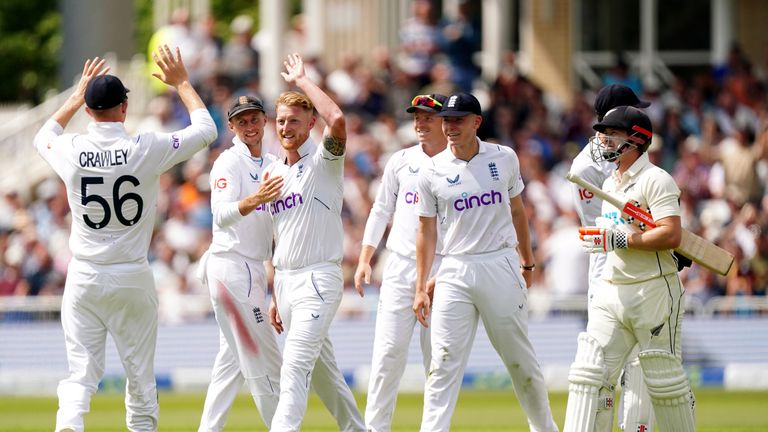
<point x="426" y="100"/>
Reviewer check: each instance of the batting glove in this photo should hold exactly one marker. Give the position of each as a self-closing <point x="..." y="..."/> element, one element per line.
<point x="605" y="237"/>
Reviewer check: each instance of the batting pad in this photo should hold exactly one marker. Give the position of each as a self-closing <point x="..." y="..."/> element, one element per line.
<point x="587" y="391"/>
<point x="636" y="403"/>
<point x="669" y="390"/>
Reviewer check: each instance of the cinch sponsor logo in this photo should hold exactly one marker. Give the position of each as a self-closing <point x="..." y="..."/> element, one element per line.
<point x="286" y="203"/>
<point x="175" y="141"/>
<point x="411" y="197"/>
<point x="467" y="202"/>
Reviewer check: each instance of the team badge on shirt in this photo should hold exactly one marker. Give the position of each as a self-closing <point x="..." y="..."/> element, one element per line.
<point x="413" y="171"/>
<point x="254" y="177"/>
<point x="493" y="170"/>
<point x="301" y="171"/>
<point x="452" y="181"/>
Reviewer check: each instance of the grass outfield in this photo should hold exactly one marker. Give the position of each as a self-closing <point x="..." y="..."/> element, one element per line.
<point x="476" y="411"/>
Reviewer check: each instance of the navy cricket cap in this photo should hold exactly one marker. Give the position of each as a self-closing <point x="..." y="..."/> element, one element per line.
<point x="430" y="103"/>
<point x="245" y="103"/>
<point x="631" y="120"/>
<point x="105" y="92"/>
<point x="616" y="95"/>
<point x="460" y="105"/>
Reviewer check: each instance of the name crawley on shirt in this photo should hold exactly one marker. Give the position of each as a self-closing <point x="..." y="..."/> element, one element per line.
<point x="89" y="159"/>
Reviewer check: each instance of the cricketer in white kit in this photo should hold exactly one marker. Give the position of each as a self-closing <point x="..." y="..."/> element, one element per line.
<point x="640" y="296"/>
<point x="235" y="273"/>
<point x="635" y="412"/>
<point x="473" y="195"/>
<point x="396" y="200"/>
<point x="112" y="181"/>
<point x="308" y="252"/>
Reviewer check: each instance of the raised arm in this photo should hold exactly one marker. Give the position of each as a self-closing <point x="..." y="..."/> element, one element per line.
<point x="335" y="134"/>
<point x="92" y="68"/>
<point x="174" y="74"/>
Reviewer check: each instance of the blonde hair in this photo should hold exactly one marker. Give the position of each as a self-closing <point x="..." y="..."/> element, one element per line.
<point x="292" y="98"/>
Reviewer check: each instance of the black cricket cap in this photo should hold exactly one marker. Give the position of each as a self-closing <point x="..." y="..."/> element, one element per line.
<point x="245" y="103"/>
<point x="433" y="103"/>
<point x="631" y="120"/>
<point x="105" y="92"/>
<point x="616" y="95"/>
<point x="460" y="105"/>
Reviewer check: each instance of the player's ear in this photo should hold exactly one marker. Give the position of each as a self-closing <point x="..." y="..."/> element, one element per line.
<point x="478" y="121"/>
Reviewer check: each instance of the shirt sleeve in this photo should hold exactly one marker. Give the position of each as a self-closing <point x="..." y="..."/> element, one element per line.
<point x="225" y="193"/>
<point x="333" y="164"/>
<point x="50" y="145"/>
<point x="384" y="206"/>
<point x="515" y="184"/>
<point x="175" y="147"/>
<point x="427" y="204"/>
<point x="662" y="195"/>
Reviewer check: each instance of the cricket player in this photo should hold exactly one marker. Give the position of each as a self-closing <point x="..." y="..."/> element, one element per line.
<point x="308" y="252"/>
<point x="640" y="297"/>
<point x="396" y="200"/>
<point x="635" y="412"/>
<point x="112" y="181"/>
<point x="235" y="273"/>
<point x="473" y="195"/>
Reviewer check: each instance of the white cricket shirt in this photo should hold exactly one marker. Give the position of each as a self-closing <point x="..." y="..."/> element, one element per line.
<point x="307" y="215"/>
<point x="654" y="190"/>
<point x="471" y="199"/>
<point x="588" y="206"/>
<point x="396" y="200"/>
<point x="112" y="180"/>
<point x="235" y="175"/>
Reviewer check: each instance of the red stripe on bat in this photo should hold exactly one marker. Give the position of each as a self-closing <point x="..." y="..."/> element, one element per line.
<point x="639" y="214"/>
<point x="240" y="327"/>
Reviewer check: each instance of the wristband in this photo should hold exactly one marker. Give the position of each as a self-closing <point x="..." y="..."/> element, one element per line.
<point x="528" y="267"/>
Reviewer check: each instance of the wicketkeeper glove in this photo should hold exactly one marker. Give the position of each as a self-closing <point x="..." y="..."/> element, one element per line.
<point x="605" y="237"/>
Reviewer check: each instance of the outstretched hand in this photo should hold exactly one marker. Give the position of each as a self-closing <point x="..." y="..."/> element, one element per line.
<point x="92" y="68"/>
<point x="294" y="68"/>
<point x="172" y="67"/>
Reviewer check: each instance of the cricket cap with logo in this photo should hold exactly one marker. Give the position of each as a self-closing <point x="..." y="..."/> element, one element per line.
<point x="616" y="95"/>
<point x="105" y="92"/>
<point x="429" y="102"/>
<point x="245" y="103"/>
<point x="460" y="105"/>
<point x="631" y="120"/>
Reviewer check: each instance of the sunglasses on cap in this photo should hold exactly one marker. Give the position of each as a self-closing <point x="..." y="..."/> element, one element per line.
<point x="426" y="100"/>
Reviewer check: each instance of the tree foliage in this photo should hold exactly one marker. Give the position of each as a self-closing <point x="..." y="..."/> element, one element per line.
<point x="30" y="41"/>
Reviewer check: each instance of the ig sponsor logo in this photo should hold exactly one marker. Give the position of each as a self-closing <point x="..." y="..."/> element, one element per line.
<point x="220" y="183"/>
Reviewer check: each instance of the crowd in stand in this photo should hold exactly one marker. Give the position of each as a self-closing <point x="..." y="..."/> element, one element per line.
<point x="711" y="135"/>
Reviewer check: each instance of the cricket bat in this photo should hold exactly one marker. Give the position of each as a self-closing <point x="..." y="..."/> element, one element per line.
<point x="694" y="247"/>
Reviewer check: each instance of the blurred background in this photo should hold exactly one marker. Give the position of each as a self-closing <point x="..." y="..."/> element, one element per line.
<point x="534" y="65"/>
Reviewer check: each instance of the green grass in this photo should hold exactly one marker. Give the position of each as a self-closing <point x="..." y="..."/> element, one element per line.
<point x="476" y="411"/>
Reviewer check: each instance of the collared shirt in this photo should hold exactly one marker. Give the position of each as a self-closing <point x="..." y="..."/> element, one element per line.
<point x="654" y="190"/>
<point x="307" y="215"/>
<point x="235" y="175"/>
<point x="588" y="206"/>
<point x="112" y="181"/>
<point x="396" y="200"/>
<point x="471" y="199"/>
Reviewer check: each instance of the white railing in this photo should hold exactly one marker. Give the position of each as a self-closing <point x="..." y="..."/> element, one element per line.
<point x="540" y="305"/>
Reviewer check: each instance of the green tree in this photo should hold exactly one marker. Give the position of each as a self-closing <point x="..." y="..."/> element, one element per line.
<point x="30" y="40"/>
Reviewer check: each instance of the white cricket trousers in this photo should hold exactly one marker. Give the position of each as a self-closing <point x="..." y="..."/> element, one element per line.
<point x="395" y="321"/>
<point x="649" y="314"/>
<point x="487" y="286"/>
<point x="307" y="300"/>
<point x="238" y="288"/>
<point x="119" y="299"/>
